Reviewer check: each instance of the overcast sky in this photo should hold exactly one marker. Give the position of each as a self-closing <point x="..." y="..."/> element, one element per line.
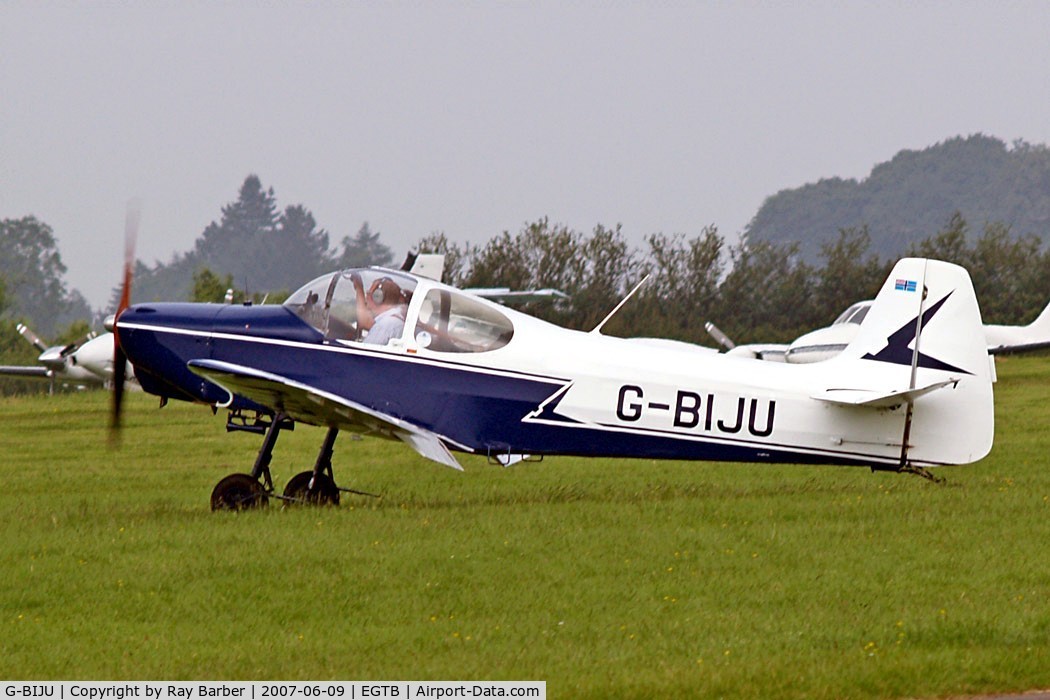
<point x="474" y="118"/>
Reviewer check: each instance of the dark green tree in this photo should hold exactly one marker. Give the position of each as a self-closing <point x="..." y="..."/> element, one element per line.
<point x="539" y="256"/>
<point x="767" y="295"/>
<point x="364" y="249"/>
<point x="682" y="291"/>
<point x="261" y="248"/>
<point x="851" y="273"/>
<point x="501" y="262"/>
<point x="33" y="269"/>
<point x="949" y="244"/>
<point x="457" y="258"/>
<point x="906" y="198"/>
<point x="243" y="223"/>
<point x="14" y="350"/>
<point x="1009" y="275"/>
<point x="1008" y="272"/>
<point x="296" y="251"/>
<point x="610" y="269"/>
<point x="209" y="287"/>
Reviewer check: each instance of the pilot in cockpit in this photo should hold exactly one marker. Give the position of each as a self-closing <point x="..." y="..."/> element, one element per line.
<point x="380" y="311"/>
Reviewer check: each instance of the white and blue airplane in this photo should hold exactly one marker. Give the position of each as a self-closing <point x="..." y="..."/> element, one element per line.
<point x="456" y="373"/>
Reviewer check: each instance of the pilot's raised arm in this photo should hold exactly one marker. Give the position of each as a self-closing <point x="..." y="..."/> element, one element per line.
<point x="365" y="319"/>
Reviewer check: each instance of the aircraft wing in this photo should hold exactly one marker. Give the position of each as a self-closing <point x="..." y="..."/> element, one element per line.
<point x="1007" y="349"/>
<point x="308" y="404"/>
<point x="25" y="371"/>
<point x="503" y="295"/>
<point x="878" y="399"/>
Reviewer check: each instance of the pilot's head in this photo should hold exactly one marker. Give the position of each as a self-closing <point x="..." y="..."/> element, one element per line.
<point x="384" y="292"/>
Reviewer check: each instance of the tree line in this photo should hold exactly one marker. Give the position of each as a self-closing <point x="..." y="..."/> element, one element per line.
<point x="256" y="248"/>
<point x="754" y="290"/>
<point x="906" y="198"/>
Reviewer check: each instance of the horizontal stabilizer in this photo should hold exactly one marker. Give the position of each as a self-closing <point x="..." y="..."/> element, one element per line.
<point x="870" y="398"/>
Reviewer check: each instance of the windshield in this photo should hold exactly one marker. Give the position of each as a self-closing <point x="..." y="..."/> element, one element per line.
<point x="308" y="301"/>
<point x="365" y="305"/>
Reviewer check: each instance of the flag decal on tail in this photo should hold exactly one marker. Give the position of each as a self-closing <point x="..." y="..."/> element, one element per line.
<point x="897" y="350"/>
<point x="905" y="286"/>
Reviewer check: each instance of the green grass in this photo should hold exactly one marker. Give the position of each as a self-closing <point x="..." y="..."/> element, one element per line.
<point x="622" y="578"/>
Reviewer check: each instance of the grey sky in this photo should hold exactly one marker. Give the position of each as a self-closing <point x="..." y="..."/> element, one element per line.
<point x="473" y="118"/>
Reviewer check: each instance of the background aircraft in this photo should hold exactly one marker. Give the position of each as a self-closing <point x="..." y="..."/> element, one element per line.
<point x="825" y="343"/>
<point x="85" y="363"/>
<point x="56" y="363"/>
<point x="465" y="374"/>
<point x="432" y="265"/>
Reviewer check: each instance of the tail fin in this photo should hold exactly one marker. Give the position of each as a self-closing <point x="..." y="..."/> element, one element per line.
<point x="923" y="341"/>
<point x="1041" y="324"/>
<point x="1007" y="339"/>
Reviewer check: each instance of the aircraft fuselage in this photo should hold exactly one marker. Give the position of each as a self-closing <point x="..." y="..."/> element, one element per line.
<point x="610" y="397"/>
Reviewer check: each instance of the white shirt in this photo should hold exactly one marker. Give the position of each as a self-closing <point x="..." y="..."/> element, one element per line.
<point x="388" y="325"/>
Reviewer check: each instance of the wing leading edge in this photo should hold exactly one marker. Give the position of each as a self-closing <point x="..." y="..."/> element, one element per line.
<point x="308" y="404"/>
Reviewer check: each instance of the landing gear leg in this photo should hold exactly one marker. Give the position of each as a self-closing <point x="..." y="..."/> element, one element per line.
<point x="243" y="491"/>
<point x="262" y="460"/>
<point x="316" y="487"/>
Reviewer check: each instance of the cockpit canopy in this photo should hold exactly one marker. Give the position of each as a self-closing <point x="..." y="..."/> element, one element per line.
<point x="451" y="321"/>
<point x="329" y="303"/>
<point x="854" y="314"/>
<point x="441" y="319"/>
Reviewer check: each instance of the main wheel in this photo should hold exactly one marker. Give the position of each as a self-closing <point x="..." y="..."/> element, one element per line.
<point x="238" y="492"/>
<point x="324" y="492"/>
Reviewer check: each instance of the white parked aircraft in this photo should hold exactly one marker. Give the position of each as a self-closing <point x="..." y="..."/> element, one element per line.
<point x="96" y="356"/>
<point x="432" y="265"/>
<point x="825" y="343"/>
<point x="87" y="363"/>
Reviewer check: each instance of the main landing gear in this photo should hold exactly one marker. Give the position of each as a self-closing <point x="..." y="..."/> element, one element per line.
<point x="245" y="491"/>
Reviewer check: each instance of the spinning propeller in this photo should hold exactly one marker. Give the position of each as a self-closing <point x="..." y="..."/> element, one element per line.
<point x="131" y="230"/>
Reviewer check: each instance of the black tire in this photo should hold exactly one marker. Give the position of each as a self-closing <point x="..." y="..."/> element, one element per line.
<point x="238" y="492"/>
<point x="324" y="492"/>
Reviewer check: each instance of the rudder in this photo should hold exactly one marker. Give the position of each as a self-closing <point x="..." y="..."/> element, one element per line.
<point x="925" y="329"/>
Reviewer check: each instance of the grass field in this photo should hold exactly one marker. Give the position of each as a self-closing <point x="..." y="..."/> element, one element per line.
<point x="605" y="578"/>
